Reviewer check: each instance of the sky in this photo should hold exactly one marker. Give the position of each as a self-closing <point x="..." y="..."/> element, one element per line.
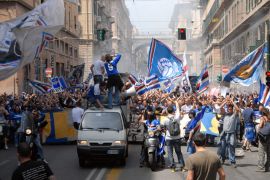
<point x="151" y="15"/>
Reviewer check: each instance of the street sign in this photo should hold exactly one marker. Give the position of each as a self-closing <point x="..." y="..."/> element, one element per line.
<point x="225" y="69"/>
<point x="48" y="72"/>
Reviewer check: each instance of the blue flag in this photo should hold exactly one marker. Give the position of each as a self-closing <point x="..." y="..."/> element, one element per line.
<point x="162" y="62"/>
<point x="248" y="70"/>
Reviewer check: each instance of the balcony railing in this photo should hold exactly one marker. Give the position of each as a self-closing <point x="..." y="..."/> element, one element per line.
<point x="211" y="14"/>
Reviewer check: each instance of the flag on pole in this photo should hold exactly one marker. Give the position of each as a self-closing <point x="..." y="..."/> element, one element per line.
<point x="163" y="62"/>
<point x="39" y="86"/>
<point x="185" y="83"/>
<point x="203" y="81"/>
<point x="22" y="39"/>
<point x="264" y="96"/>
<point x="248" y="70"/>
<point x="133" y="80"/>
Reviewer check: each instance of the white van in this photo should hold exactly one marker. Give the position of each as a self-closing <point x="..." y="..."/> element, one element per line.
<point x="102" y="135"/>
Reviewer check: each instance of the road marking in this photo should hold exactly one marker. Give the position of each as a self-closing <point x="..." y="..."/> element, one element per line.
<point x="4" y="162"/>
<point x="101" y="174"/>
<point x="90" y="175"/>
<point x="113" y="174"/>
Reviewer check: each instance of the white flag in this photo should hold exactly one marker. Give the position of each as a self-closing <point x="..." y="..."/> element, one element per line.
<point x="185" y="83"/>
<point x="22" y="39"/>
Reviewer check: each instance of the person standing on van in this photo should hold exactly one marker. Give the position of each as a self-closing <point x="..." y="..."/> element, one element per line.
<point x="114" y="80"/>
<point x="97" y="70"/>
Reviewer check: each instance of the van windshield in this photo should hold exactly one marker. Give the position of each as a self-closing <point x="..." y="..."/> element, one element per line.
<point x="102" y="120"/>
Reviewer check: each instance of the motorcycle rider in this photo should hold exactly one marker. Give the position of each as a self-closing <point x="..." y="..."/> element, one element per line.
<point x="150" y="124"/>
<point x="35" y="120"/>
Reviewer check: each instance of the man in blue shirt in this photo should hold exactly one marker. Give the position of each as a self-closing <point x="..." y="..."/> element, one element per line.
<point x="114" y="79"/>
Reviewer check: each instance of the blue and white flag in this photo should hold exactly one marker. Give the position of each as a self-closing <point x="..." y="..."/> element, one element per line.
<point x="163" y="62"/>
<point x="39" y="86"/>
<point x="264" y="96"/>
<point x="203" y="81"/>
<point x="248" y="70"/>
<point x="56" y="86"/>
<point x="63" y="83"/>
<point x="22" y="39"/>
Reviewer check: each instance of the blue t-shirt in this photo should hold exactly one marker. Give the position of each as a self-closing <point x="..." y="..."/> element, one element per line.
<point x="153" y="125"/>
<point x="111" y="68"/>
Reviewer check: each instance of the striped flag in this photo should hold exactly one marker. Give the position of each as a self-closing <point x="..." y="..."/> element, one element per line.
<point x="203" y="82"/>
<point x="133" y="80"/>
<point x="39" y="86"/>
<point x="149" y="84"/>
<point x="264" y="96"/>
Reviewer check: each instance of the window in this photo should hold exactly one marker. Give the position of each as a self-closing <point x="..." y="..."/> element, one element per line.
<point x="71" y="51"/>
<point x="106" y="120"/>
<point x="75" y="53"/>
<point x="66" y="48"/>
<point x="247" y="6"/>
<point x="62" y="46"/>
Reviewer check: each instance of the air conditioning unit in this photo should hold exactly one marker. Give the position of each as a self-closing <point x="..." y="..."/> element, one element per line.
<point x="98" y="18"/>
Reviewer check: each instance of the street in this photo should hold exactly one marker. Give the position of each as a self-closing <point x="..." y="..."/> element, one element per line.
<point x="64" y="163"/>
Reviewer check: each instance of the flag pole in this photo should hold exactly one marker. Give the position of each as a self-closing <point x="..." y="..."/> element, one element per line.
<point x="268" y="53"/>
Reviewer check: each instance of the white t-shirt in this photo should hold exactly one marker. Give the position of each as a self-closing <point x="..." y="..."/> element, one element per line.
<point x="77" y="113"/>
<point x="98" y="65"/>
<point x="186" y="108"/>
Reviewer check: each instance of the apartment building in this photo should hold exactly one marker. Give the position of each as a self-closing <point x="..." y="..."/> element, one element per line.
<point x="232" y="29"/>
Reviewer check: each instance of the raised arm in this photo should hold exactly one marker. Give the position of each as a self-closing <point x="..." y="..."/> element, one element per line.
<point x="116" y="59"/>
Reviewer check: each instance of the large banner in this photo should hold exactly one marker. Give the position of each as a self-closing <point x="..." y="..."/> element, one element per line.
<point x="60" y="127"/>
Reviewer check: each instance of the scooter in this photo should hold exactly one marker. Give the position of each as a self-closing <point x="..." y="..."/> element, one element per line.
<point x="155" y="143"/>
<point x="29" y="137"/>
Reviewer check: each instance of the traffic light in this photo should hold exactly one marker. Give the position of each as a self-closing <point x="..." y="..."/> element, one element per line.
<point x="182" y="34"/>
<point x="267" y="78"/>
<point x="101" y="34"/>
<point x="219" y="78"/>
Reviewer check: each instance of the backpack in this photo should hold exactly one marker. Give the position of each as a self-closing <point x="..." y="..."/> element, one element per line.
<point x="173" y="127"/>
<point x="264" y="133"/>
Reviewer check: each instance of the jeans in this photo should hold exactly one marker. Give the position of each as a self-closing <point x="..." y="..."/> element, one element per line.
<point x="228" y="141"/>
<point x="264" y="150"/>
<point x="98" y="79"/>
<point x="19" y="137"/>
<point x="191" y="148"/>
<point x="176" y="145"/>
<point x="116" y="96"/>
<point x="36" y="141"/>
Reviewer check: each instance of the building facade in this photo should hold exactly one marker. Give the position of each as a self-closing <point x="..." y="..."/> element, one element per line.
<point x="122" y="35"/>
<point x="94" y="15"/>
<point x="233" y="29"/>
<point x="61" y="54"/>
<point x="112" y="17"/>
<point x="187" y="15"/>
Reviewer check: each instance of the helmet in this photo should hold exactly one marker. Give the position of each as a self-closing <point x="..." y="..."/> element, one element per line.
<point x="192" y="112"/>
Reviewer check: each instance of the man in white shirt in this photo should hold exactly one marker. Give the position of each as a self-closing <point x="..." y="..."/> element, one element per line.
<point x="77" y="113"/>
<point x="98" y="70"/>
<point x="187" y="107"/>
<point x="173" y="139"/>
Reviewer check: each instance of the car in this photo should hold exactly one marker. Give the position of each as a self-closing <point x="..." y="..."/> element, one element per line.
<point x="102" y="135"/>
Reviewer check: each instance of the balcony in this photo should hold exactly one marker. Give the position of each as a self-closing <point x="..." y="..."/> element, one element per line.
<point x="211" y="14"/>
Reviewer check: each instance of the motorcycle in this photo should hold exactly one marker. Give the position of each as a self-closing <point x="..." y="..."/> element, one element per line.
<point x="29" y="137"/>
<point x="155" y="143"/>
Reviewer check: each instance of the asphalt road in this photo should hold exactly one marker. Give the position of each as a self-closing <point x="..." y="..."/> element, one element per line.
<point x="64" y="163"/>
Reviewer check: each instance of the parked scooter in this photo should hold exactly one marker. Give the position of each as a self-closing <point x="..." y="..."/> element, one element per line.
<point x="155" y="143"/>
<point x="29" y="137"/>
